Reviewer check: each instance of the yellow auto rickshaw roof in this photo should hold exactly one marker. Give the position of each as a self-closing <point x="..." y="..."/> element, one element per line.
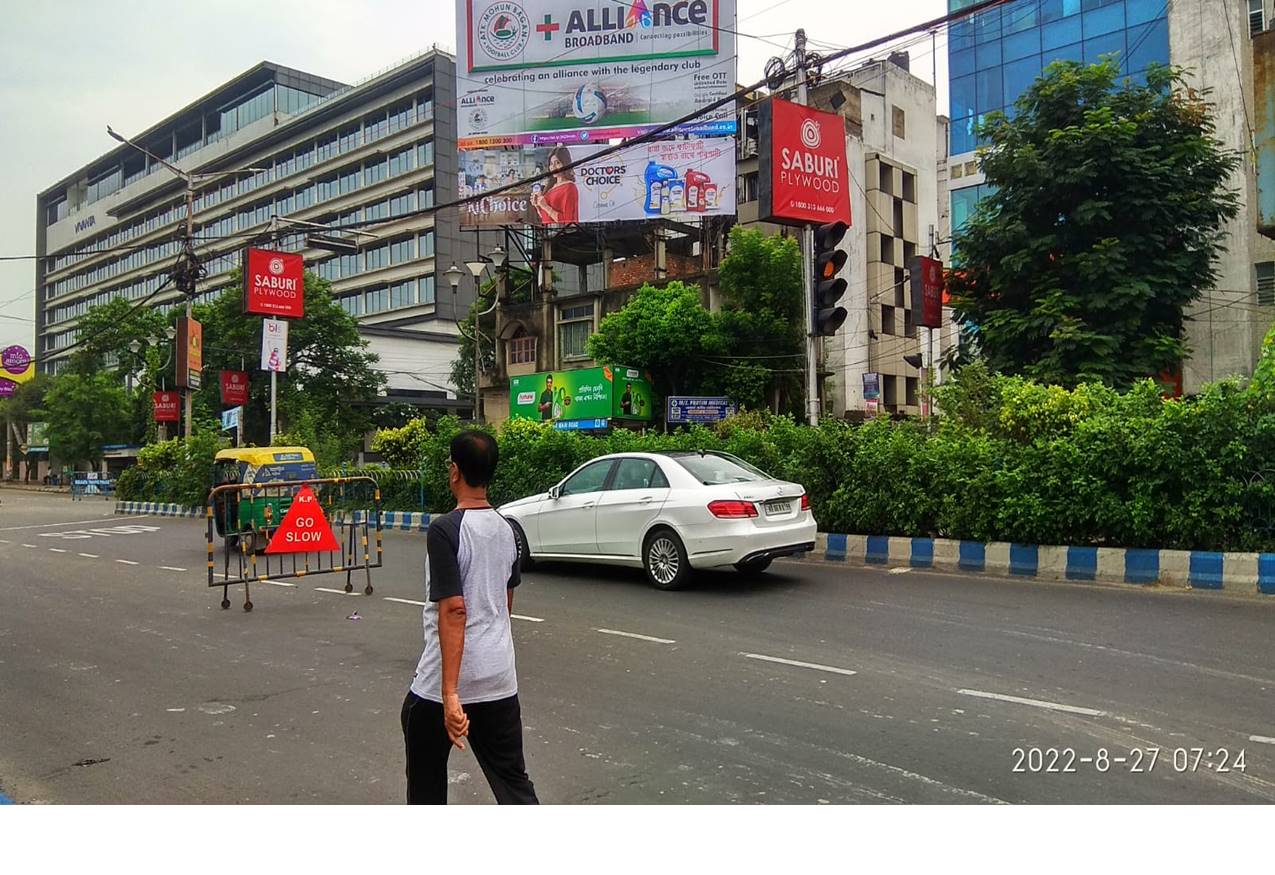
<point x="264" y="455"/>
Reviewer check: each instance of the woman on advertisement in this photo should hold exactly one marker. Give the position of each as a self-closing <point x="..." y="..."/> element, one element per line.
<point x="560" y="205"/>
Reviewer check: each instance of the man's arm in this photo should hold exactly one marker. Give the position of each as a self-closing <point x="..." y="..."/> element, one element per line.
<point x="451" y="640"/>
<point x="442" y="544"/>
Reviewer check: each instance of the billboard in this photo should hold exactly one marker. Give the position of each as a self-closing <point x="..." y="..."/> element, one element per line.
<point x="274" y="345"/>
<point x="273" y="283"/>
<point x="674" y="179"/>
<point x="804" y="176"/>
<point x="699" y="408"/>
<point x="16" y="367"/>
<point x="541" y="72"/>
<point x="926" y="277"/>
<point x="190" y="353"/>
<point x="167" y="406"/>
<point x="588" y="394"/>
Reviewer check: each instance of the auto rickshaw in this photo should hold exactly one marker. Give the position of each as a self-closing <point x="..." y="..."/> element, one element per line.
<point x="254" y="515"/>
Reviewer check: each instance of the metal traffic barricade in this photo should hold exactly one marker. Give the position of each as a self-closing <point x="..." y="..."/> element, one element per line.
<point x="247" y="516"/>
<point x="90" y="483"/>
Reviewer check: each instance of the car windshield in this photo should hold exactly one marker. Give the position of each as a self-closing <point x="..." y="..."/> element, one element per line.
<point x="715" y="469"/>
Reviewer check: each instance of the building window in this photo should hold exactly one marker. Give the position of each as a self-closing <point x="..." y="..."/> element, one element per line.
<point x="1256" y="17"/>
<point x="522" y="351"/>
<point x="400" y="116"/>
<point x="897" y="122"/>
<point x="426" y="154"/>
<point x="403" y="294"/>
<point x="374" y="172"/>
<point x="889" y="390"/>
<point x="577" y="325"/>
<point x="887" y="249"/>
<point x="427" y="289"/>
<point x="375" y="127"/>
<point x="887" y="319"/>
<point x="748" y="191"/>
<point x="909" y="329"/>
<point x="427" y="244"/>
<point x="887" y="179"/>
<point x="909" y="187"/>
<point x="401" y="251"/>
<point x="1266" y="284"/>
<point x="401" y="162"/>
<point x="377" y="258"/>
<point x="911" y="392"/>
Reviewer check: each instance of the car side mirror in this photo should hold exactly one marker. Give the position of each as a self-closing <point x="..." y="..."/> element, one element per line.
<point x="554" y="492"/>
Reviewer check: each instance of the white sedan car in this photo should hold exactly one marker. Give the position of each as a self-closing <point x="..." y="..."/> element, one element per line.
<point x="666" y="512"/>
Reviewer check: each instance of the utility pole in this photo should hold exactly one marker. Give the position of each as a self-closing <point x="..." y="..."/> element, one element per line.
<point x="807" y="259"/>
<point x="189" y="279"/>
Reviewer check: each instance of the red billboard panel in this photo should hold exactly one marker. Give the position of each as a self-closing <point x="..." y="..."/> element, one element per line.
<point x="234" y="388"/>
<point x="926" y="277"/>
<point x="168" y="406"/>
<point x="804" y="175"/>
<point x="273" y="283"/>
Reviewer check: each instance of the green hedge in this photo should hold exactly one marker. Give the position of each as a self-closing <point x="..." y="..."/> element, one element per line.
<point x="1010" y="460"/>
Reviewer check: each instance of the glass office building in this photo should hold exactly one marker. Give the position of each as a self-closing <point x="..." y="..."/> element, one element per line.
<point x="994" y="56"/>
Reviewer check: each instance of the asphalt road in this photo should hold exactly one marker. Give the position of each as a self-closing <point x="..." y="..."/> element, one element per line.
<point x="123" y="681"/>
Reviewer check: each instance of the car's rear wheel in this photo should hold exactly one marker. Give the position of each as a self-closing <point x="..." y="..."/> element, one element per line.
<point x="754" y="566"/>
<point x="664" y="559"/>
<point x="525" y="562"/>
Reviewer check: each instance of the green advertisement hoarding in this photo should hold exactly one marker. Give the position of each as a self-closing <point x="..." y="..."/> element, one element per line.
<point x="589" y="394"/>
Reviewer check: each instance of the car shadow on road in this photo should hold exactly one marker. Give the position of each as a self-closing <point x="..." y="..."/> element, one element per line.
<point x="725" y="583"/>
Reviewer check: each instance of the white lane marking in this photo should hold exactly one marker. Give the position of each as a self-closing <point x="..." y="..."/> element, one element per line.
<point x="404" y="601"/>
<point x="100" y="519"/>
<point x="56" y="550"/>
<point x="32" y="546"/>
<point x="90" y="556"/>
<point x="1034" y="703"/>
<point x="636" y="635"/>
<point x="799" y="664"/>
<point x="170" y="568"/>
<point x="3" y="541"/>
<point x="175" y="710"/>
<point x="541" y="620"/>
<point x="277" y="583"/>
<point x="336" y="591"/>
<point x="125" y="561"/>
<point x="1261" y="739"/>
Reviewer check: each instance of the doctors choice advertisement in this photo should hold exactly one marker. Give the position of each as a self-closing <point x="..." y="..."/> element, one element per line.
<point x="678" y="179"/>
<point x="541" y="72"/>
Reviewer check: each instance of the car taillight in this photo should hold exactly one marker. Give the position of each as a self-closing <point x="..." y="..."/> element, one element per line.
<point x="732" y="510"/>
<point x="805" y="502"/>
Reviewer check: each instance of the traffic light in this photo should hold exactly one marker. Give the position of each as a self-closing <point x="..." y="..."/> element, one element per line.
<point x="828" y="287"/>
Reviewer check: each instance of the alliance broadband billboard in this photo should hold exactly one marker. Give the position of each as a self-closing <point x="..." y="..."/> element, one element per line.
<point x="549" y="72"/>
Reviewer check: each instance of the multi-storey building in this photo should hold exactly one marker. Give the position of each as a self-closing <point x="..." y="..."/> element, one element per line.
<point x="995" y="55"/>
<point x="326" y="154"/>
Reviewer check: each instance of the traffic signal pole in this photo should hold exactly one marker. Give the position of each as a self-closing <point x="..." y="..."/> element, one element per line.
<point x="807" y="260"/>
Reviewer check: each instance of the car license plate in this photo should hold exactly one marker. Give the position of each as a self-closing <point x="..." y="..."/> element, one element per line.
<point x="775" y="508"/>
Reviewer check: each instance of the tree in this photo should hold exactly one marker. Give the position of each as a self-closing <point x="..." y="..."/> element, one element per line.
<point x="462" y="371"/>
<point x="1104" y="224"/>
<point x="762" y="319"/>
<point x="84" y="411"/>
<point x="22" y="408"/>
<point x="665" y="330"/>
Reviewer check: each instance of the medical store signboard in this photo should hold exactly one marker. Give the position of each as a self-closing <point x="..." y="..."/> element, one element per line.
<point x="273" y="283"/>
<point x="680" y="180"/>
<point x="804" y="176"/>
<point x="542" y="72"/>
<point x="587" y="394"/>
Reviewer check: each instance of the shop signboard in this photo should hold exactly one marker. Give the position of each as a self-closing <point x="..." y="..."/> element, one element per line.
<point x="16" y="367"/>
<point x="803" y="172"/>
<point x="273" y="283"/>
<point x="699" y="408"/>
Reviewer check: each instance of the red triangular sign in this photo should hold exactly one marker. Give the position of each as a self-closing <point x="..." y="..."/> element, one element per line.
<point x="304" y="528"/>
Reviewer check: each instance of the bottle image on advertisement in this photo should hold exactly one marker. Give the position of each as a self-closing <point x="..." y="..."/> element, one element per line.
<point x="658" y="177"/>
<point x="710" y="197"/>
<point x="677" y="196"/>
<point x="666" y="200"/>
<point x="695" y="182"/>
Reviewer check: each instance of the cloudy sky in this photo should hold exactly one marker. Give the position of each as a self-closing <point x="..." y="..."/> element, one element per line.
<point x="69" y="69"/>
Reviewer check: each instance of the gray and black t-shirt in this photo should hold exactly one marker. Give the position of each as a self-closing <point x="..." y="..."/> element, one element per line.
<point x="471" y="553"/>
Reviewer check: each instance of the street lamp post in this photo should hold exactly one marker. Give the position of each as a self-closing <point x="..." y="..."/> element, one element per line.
<point x="135" y="346"/>
<point x="186" y="277"/>
<point x="454" y="275"/>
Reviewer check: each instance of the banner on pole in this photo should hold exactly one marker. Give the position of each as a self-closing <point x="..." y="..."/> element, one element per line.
<point x="274" y="345"/>
<point x="803" y="172"/>
<point x="190" y="353"/>
<point x="273" y="283"/>
<point x="167" y="406"/>
<point x="234" y="387"/>
<point x="231" y="418"/>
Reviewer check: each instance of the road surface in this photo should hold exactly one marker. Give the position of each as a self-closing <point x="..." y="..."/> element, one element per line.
<point x="123" y="681"/>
